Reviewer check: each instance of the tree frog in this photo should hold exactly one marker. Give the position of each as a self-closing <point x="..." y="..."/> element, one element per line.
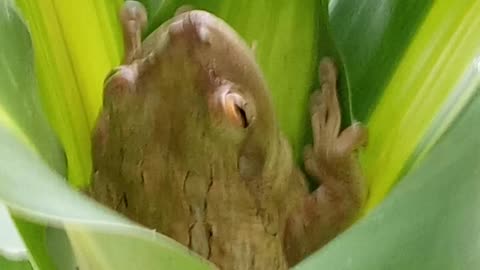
<point x="187" y="144"/>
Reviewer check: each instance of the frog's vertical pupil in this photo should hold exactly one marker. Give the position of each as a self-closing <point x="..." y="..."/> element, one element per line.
<point x="243" y="116"/>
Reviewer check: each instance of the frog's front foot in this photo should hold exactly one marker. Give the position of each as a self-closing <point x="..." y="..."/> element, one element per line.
<point x="333" y="151"/>
<point x="331" y="160"/>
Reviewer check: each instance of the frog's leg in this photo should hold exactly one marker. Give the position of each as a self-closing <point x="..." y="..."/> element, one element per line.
<point x="133" y="17"/>
<point x="332" y="161"/>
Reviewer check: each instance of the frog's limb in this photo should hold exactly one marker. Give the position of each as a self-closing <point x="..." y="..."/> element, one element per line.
<point x="332" y="161"/>
<point x="133" y="17"/>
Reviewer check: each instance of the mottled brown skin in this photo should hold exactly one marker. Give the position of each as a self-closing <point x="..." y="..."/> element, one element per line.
<point x="187" y="143"/>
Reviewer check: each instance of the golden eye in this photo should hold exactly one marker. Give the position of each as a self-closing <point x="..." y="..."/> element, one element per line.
<point x="234" y="106"/>
<point x="230" y="105"/>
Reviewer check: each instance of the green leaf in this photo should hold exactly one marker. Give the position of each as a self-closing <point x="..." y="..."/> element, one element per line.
<point x="11" y="245"/>
<point x="20" y="108"/>
<point x="34" y="237"/>
<point x="372" y="44"/>
<point x="14" y="265"/>
<point x="70" y="84"/>
<point x="420" y="81"/>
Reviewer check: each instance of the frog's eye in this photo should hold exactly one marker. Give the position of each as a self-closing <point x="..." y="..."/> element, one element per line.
<point x="229" y="105"/>
<point x="235" y="108"/>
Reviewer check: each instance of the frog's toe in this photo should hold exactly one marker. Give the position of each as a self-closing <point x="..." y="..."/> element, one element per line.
<point x="318" y="108"/>
<point x="351" y="139"/>
<point x="325" y="109"/>
<point x="329" y="142"/>
<point x="311" y="162"/>
<point x="327" y="71"/>
<point x="134" y="11"/>
<point x="133" y="17"/>
<point x="318" y="113"/>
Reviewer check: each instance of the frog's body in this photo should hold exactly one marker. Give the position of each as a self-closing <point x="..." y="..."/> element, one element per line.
<point x="187" y="144"/>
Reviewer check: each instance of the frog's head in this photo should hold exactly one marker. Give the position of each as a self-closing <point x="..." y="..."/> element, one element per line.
<point x="197" y="92"/>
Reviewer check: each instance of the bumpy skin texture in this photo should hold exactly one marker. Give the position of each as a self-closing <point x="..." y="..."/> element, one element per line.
<point x="187" y="144"/>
